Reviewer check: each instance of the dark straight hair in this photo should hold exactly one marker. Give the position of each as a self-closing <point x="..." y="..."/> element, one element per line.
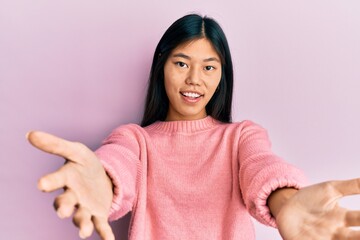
<point x="187" y="28"/>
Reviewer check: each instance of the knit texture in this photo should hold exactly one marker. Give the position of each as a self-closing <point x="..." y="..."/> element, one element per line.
<point x="197" y="179"/>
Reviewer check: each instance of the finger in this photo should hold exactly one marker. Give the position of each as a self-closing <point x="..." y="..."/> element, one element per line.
<point x="65" y="203"/>
<point x="103" y="228"/>
<point x="55" y="145"/>
<point x="82" y="219"/>
<point x="53" y="181"/>
<point x="352" y="218"/>
<point x="348" y="187"/>
<point x="347" y="234"/>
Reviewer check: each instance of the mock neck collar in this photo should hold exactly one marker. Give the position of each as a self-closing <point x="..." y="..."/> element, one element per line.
<point x="184" y="126"/>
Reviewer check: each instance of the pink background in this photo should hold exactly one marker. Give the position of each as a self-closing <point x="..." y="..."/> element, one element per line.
<point x="78" y="69"/>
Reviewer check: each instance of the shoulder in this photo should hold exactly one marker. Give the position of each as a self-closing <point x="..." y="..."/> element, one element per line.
<point x="128" y="128"/>
<point x="247" y="130"/>
<point x="127" y="131"/>
<point x="245" y="125"/>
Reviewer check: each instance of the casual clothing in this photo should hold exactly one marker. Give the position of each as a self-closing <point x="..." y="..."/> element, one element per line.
<point x="194" y="179"/>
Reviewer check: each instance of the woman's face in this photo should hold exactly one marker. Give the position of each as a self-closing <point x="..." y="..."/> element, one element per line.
<point x="191" y="75"/>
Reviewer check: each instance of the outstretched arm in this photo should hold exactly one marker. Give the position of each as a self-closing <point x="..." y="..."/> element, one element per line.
<point x="314" y="212"/>
<point x="87" y="188"/>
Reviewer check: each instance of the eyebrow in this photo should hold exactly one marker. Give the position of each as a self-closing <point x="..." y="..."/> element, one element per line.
<point x="182" y="55"/>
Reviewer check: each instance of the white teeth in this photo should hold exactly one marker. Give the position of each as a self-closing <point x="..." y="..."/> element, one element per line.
<point x="190" y="94"/>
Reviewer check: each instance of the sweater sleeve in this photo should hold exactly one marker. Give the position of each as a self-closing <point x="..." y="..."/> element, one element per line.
<point x="261" y="172"/>
<point x="120" y="156"/>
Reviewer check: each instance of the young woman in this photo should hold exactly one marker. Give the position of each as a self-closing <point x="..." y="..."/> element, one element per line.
<point x="187" y="172"/>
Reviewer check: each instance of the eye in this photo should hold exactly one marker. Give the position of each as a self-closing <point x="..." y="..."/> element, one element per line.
<point x="181" y="64"/>
<point x="209" y="68"/>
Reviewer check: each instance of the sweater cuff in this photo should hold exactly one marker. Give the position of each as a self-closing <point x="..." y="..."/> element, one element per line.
<point x="259" y="208"/>
<point x="117" y="198"/>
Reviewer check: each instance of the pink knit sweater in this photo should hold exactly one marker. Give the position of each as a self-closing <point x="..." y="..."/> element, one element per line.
<point x="194" y="179"/>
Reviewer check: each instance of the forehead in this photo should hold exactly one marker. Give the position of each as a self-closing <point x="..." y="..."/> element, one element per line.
<point x="197" y="48"/>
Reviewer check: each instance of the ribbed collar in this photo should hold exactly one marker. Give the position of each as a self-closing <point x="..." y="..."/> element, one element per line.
<point x="189" y="126"/>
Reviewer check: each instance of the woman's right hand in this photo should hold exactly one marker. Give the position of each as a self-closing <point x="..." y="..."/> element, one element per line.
<point x="87" y="188"/>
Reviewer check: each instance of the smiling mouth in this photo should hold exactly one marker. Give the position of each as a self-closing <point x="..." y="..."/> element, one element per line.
<point x="191" y="95"/>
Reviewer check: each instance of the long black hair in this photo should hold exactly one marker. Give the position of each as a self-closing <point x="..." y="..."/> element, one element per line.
<point x="189" y="27"/>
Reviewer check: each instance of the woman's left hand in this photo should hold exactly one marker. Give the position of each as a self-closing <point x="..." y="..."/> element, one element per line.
<point x="314" y="213"/>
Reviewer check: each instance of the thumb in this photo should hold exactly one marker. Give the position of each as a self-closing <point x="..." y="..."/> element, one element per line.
<point x="54" y="145"/>
<point x="348" y="187"/>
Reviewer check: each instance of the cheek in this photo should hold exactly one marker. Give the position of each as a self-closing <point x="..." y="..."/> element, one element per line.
<point x="215" y="84"/>
<point x="167" y="78"/>
<point x="172" y="80"/>
<point x="168" y="89"/>
<point x="169" y="84"/>
<point x="171" y="87"/>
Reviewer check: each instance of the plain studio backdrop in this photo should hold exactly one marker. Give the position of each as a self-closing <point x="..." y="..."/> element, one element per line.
<point x="79" y="68"/>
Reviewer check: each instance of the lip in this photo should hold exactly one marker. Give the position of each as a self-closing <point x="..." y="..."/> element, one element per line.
<point x="191" y="91"/>
<point x="190" y="99"/>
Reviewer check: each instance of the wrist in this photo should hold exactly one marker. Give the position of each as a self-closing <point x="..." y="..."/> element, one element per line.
<point x="278" y="198"/>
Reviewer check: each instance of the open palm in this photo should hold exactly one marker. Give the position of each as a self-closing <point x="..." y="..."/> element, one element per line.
<point x="314" y="213"/>
<point x="87" y="188"/>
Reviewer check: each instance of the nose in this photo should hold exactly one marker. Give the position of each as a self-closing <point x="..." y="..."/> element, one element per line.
<point x="194" y="77"/>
